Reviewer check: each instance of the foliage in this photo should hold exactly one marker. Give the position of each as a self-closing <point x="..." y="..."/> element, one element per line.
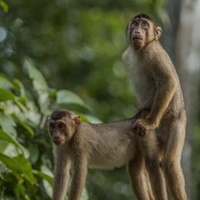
<point x="4" y="6"/>
<point x="25" y="164"/>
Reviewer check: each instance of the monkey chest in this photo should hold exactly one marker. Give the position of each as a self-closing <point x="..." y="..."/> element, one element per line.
<point x="144" y="84"/>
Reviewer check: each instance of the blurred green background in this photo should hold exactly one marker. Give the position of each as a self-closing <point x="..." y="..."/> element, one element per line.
<point x="67" y="54"/>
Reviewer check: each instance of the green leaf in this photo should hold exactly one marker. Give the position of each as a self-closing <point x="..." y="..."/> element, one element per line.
<point x="40" y="86"/>
<point x="84" y="195"/>
<point x="39" y="82"/>
<point x="47" y="177"/>
<point x="5" y="83"/>
<point x="19" y="165"/>
<point x="4" y="6"/>
<point x="34" y="153"/>
<point x="21" y="87"/>
<point x="89" y="118"/>
<point x="48" y="180"/>
<point x="29" y="130"/>
<point x="7" y="124"/>
<point x="44" y="176"/>
<point x="68" y="97"/>
<point x="6" y="95"/>
<point x="9" y="138"/>
<point x="21" y="190"/>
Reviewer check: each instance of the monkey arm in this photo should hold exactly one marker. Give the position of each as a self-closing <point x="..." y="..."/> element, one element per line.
<point x="165" y="88"/>
<point x="61" y="178"/>
<point x="79" y="175"/>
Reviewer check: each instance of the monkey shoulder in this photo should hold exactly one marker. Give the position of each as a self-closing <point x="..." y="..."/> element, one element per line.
<point x="154" y="52"/>
<point x="159" y="61"/>
<point x="84" y="137"/>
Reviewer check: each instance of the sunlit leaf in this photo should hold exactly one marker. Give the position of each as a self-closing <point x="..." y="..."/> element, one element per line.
<point x="9" y="138"/>
<point x="3" y="145"/>
<point x="90" y="118"/>
<point x="84" y="195"/>
<point x="4" y="6"/>
<point x="19" y="165"/>
<point x="39" y="82"/>
<point x="47" y="177"/>
<point x="7" y="124"/>
<point x="40" y="86"/>
<point x="44" y="176"/>
<point x="68" y="97"/>
<point x="6" y="95"/>
<point x="21" y="87"/>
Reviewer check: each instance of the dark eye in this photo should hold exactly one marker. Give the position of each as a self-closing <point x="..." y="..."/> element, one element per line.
<point x="144" y="25"/>
<point x="134" y="24"/>
<point x="61" y="126"/>
<point x="51" y="126"/>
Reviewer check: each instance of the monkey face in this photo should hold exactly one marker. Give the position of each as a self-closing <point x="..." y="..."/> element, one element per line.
<point x="58" y="132"/>
<point x="62" y="125"/>
<point x="141" y="31"/>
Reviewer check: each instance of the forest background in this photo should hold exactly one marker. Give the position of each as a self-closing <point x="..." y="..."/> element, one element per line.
<point x="67" y="54"/>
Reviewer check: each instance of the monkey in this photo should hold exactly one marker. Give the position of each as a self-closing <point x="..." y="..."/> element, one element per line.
<point x="79" y="145"/>
<point x="158" y="89"/>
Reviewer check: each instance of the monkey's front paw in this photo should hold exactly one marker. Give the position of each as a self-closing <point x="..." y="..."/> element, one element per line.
<point x="142" y="127"/>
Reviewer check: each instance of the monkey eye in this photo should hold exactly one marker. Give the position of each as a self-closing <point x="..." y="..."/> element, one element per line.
<point x="144" y="25"/>
<point x="51" y="126"/>
<point x="61" y="126"/>
<point x="134" y="24"/>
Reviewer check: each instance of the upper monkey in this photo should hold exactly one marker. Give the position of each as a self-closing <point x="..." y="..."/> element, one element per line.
<point x="158" y="89"/>
<point x="152" y="72"/>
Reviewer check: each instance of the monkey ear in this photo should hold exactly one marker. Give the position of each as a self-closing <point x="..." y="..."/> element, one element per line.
<point x="48" y="119"/>
<point x="77" y="120"/>
<point x="158" y="32"/>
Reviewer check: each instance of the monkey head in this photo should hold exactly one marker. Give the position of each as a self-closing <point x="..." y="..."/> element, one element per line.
<point x="62" y="125"/>
<point x="141" y="30"/>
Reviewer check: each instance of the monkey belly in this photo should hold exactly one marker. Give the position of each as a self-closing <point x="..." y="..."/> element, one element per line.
<point x="108" y="164"/>
<point x="111" y="158"/>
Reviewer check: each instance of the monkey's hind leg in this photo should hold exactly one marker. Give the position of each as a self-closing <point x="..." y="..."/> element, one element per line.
<point x="151" y="153"/>
<point x="171" y="162"/>
<point x="139" y="178"/>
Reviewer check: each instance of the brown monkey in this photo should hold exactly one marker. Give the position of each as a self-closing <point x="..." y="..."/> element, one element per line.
<point x="158" y="89"/>
<point x="79" y="145"/>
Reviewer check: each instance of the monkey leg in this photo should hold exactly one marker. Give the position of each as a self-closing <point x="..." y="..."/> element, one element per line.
<point x="171" y="162"/>
<point x="61" y="178"/>
<point x="151" y="153"/>
<point x="139" y="178"/>
<point x="78" y="178"/>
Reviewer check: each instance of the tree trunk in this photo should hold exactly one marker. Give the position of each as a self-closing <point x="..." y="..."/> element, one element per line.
<point x="183" y="45"/>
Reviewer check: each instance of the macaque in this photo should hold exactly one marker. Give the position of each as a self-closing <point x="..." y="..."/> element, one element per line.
<point x="158" y="89"/>
<point x="78" y="145"/>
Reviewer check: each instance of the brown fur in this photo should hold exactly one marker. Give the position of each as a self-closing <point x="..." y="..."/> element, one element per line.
<point x="157" y="88"/>
<point x="105" y="146"/>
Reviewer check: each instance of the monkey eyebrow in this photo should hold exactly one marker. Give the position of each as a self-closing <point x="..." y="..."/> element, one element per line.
<point x="135" y="20"/>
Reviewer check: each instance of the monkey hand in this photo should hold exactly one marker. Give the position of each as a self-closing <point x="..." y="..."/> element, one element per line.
<point x="143" y="127"/>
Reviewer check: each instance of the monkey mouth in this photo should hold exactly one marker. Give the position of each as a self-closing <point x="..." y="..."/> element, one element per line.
<point x="58" y="142"/>
<point x="137" y="38"/>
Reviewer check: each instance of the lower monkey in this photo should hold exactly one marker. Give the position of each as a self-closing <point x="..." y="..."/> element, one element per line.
<point x="79" y="145"/>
